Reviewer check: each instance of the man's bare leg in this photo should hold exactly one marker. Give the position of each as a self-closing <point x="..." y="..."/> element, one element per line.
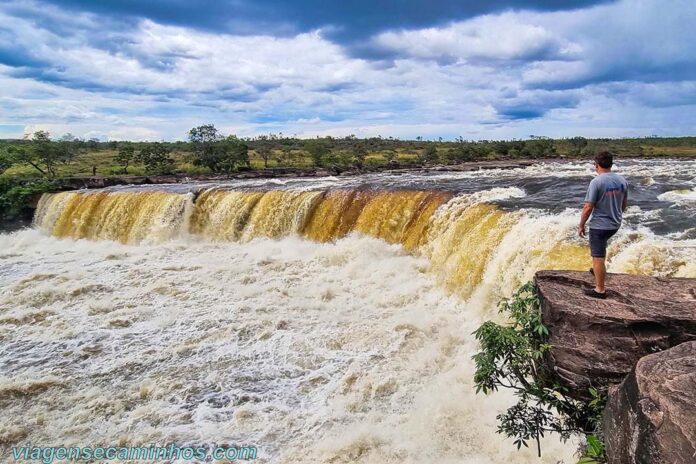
<point x="600" y="273"/>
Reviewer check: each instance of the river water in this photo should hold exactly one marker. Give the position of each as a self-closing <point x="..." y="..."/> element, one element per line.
<point x="322" y="320"/>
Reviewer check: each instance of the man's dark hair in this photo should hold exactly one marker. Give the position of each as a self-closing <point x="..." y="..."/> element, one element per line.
<point x="604" y="159"/>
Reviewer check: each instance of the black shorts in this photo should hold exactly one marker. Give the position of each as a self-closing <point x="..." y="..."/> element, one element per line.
<point x="598" y="241"/>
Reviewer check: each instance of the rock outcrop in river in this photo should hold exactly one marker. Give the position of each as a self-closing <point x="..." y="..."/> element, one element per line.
<point x="641" y="343"/>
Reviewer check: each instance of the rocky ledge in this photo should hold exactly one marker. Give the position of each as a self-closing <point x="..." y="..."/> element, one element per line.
<point x="597" y="342"/>
<point x="70" y="183"/>
<point x="651" y="416"/>
<point x="640" y="343"/>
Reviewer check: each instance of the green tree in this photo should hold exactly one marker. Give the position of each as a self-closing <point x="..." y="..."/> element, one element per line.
<point x="44" y="155"/>
<point x="125" y="156"/>
<point x="6" y="160"/>
<point x="538" y="148"/>
<point x="92" y="144"/>
<point x="317" y="149"/>
<point x="236" y="154"/>
<point x="206" y="147"/>
<point x="501" y="147"/>
<point x="462" y="152"/>
<point x="264" y="148"/>
<point x="217" y="153"/>
<point x="429" y="154"/>
<point x="359" y="155"/>
<point x="155" y="157"/>
<point x="577" y="144"/>
<point x="17" y="196"/>
<point x="264" y="152"/>
<point x="589" y="151"/>
<point x="289" y="157"/>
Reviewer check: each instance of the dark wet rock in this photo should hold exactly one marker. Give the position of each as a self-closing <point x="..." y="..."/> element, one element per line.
<point x="597" y="342"/>
<point x="651" y="417"/>
<point x="72" y="183"/>
<point x="493" y="164"/>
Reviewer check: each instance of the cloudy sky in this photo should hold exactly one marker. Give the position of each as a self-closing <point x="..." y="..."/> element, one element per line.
<point x="151" y="69"/>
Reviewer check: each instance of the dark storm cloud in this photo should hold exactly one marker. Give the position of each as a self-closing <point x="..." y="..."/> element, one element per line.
<point x="18" y="58"/>
<point x="346" y="21"/>
<point x="534" y="105"/>
<point x="641" y="69"/>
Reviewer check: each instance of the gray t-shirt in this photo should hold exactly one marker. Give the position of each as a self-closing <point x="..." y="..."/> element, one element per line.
<point x="607" y="192"/>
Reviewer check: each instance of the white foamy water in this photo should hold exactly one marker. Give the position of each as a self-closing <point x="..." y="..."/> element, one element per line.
<point x="345" y="352"/>
<point x="679" y="196"/>
<point x="205" y="330"/>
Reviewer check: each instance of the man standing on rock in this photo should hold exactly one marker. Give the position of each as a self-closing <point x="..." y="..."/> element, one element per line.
<point x="605" y="201"/>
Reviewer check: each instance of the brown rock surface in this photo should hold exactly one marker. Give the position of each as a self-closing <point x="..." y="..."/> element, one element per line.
<point x="651" y="417"/>
<point x="597" y="342"/>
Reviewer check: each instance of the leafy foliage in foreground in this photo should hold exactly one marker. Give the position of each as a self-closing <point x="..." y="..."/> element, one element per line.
<point x="594" y="452"/>
<point x="512" y="357"/>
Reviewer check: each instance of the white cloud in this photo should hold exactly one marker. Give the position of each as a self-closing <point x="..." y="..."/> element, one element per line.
<point x="479" y="78"/>
<point x="631" y="40"/>
<point x="504" y="37"/>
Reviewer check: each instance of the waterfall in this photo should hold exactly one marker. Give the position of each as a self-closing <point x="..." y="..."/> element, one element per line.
<point x="119" y="216"/>
<point x="474" y="247"/>
<point x="323" y="324"/>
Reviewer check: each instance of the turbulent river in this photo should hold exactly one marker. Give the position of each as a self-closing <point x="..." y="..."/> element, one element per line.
<point x="322" y="320"/>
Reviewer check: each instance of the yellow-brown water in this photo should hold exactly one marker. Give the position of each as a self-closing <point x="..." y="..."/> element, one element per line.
<point x="459" y="235"/>
<point x="122" y="217"/>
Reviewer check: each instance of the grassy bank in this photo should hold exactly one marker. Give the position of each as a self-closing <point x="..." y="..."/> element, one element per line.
<point x="275" y="152"/>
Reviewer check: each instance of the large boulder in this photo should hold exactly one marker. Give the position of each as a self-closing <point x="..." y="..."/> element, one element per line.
<point x="651" y="417"/>
<point x="597" y="342"/>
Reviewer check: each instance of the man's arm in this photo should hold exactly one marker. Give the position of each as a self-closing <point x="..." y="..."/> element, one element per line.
<point x="591" y="198"/>
<point x="584" y="216"/>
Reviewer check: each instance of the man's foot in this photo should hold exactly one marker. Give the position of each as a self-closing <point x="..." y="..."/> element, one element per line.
<point x="594" y="293"/>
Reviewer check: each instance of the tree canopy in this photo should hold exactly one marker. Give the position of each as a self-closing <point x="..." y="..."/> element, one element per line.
<point x="217" y="153"/>
<point x="44" y="155"/>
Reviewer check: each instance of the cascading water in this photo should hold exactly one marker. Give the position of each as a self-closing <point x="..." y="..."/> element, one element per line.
<point x="324" y="320"/>
<point x="460" y="235"/>
<point x="123" y="217"/>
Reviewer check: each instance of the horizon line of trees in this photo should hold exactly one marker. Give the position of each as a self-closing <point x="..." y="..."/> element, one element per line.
<point x="208" y="148"/>
<point x="281" y="138"/>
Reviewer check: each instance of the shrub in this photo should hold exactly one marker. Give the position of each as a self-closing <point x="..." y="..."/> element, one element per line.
<point x="429" y="154"/>
<point x="16" y="197"/>
<point x="6" y="161"/>
<point x="318" y="149"/>
<point x="512" y="356"/>
<point x="359" y="155"/>
<point x="463" y="152"/>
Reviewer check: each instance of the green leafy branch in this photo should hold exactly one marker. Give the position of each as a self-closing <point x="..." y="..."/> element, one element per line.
<point x="512" y="356"/>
